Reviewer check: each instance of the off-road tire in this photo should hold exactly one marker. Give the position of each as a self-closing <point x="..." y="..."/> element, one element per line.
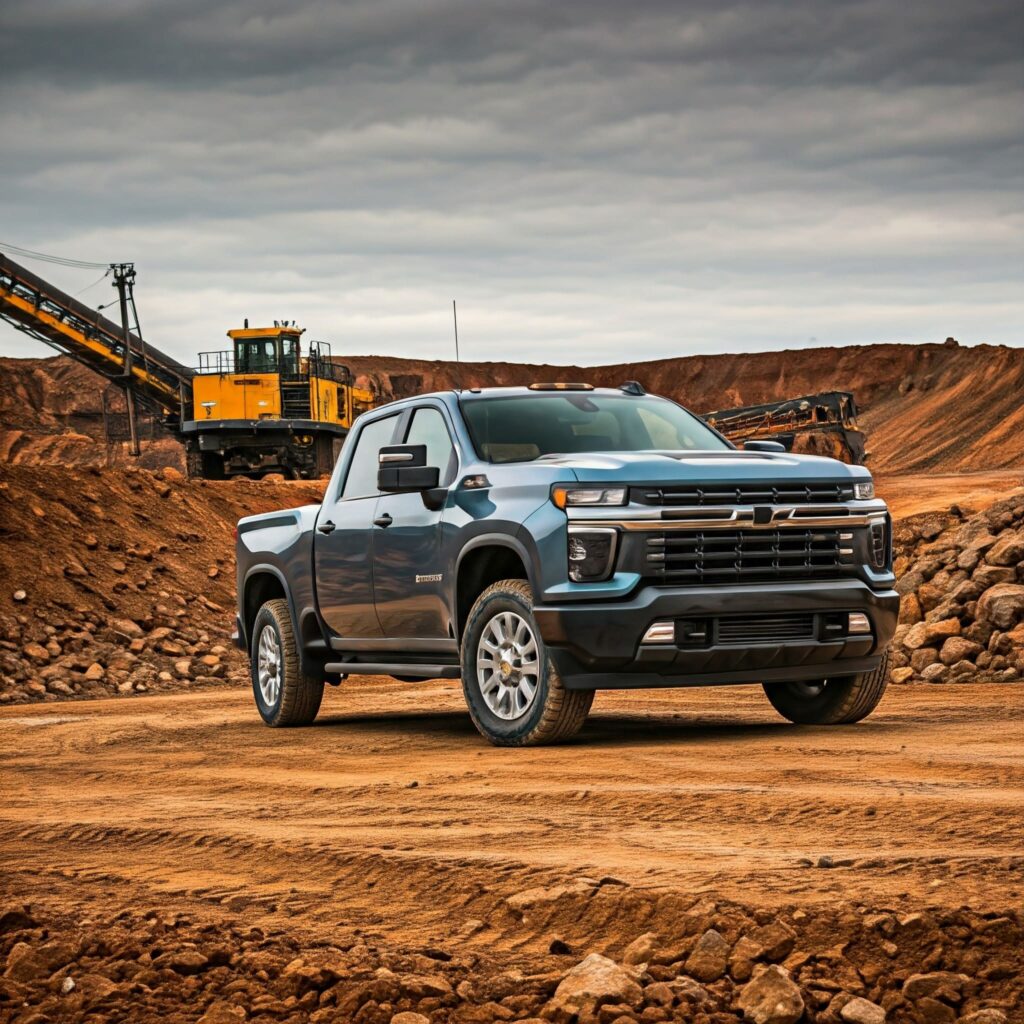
<point x="555" y="714"/>
<point x="842" y="701"/>
<point x="299" y="695"/>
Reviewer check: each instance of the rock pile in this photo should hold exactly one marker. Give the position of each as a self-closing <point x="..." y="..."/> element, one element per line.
<point x="121" y="581"/>
<point x="961" y="581"/>
<point x="853" y="967"/>
<point x="58" y="653"/>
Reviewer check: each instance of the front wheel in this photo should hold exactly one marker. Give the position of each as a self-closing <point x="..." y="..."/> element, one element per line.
<point x="514" y="693"/>
<point x="841" y="701"/>
<point x="284" y="694"/>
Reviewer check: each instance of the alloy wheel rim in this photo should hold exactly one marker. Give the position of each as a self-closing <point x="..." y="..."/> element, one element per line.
<point x="508" y="666"/>
<point x="268" y="666"/>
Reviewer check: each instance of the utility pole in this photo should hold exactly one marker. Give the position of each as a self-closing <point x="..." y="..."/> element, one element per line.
<point x="124" y="279"/>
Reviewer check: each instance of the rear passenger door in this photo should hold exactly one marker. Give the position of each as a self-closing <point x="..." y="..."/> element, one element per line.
<point x="344" y="533"/>
<point x="410" y="579"/>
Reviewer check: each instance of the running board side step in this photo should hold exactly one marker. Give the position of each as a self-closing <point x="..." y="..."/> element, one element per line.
<point x="365" y="668"/>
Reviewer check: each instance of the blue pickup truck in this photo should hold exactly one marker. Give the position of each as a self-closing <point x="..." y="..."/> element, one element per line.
<point x="545" y="542"/>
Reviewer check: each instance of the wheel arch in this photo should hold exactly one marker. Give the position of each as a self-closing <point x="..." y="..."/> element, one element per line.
<point x="483" y="561"/>
<point x="263" y="583"/>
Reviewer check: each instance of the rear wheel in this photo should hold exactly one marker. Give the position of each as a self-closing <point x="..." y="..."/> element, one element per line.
<point x="514" y="693"/>
<point x="284" y="694"/>
<point x="840" y="701"/>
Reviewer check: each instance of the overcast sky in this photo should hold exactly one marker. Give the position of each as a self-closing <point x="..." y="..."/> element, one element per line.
<point x="593" y="181"/>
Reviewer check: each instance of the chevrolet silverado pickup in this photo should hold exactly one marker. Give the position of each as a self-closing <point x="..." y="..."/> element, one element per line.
<point x="541" y="543"/>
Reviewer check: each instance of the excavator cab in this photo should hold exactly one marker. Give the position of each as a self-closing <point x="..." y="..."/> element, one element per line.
<point x="268" y="350"/>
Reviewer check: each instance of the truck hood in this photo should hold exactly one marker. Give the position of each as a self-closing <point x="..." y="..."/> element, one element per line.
<point x="738" y="467"/>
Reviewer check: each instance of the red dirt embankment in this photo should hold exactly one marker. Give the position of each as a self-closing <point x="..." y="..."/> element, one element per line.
<point x="924" y="407"/>
<point x="937" y="408"/>
<point x="121" y="580"/>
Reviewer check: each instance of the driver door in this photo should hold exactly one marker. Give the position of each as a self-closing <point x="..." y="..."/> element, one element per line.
<point x="344" y="539"/>
<point x="410" y="578"/>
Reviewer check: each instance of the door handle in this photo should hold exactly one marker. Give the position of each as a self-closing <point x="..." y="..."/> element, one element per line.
<point x="327" y="527"/>
<point x="384" y="520"/>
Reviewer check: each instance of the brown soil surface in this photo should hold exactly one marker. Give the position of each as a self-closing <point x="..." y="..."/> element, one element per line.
<point x="390" y="830"/>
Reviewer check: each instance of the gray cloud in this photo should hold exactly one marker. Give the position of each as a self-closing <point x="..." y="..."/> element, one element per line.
<point x="593" y="181"/>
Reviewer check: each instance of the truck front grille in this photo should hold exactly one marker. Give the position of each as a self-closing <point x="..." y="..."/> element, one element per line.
<point x="747" y="556"/>
<point x="694" y="496"/>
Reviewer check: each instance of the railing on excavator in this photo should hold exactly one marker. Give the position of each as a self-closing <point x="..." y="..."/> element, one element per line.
<point x="318" y="363"/>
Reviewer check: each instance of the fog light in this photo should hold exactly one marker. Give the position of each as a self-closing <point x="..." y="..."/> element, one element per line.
<point x="660" y="633"/>
<point x="591" y="553"/>
<point x="859" y="623"/>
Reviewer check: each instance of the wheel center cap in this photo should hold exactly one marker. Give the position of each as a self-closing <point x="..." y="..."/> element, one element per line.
<point x="506" y="668"/>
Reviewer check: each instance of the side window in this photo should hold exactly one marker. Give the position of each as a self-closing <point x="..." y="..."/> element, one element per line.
<point x="361" y="481"/>
<point x="428" y="427"/>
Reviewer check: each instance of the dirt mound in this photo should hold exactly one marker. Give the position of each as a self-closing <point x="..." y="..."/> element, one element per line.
<point x="121" y="580"/>
<point x="924" y="407"/>
<point x="718" y="962"/>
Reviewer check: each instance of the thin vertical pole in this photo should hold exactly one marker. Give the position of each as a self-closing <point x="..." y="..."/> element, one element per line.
<point x="455" y="319"/>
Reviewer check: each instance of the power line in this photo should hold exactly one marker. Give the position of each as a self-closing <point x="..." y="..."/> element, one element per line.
<point x="102" y="277"/>
<point x="63" y="261"/>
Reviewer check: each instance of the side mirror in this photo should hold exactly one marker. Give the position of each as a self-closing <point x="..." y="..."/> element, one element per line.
<point x="403" y="469"/>
<point x="763" y="446"/>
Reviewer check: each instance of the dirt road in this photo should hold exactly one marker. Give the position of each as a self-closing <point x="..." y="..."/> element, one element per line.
<point x="392" y="807"/>
<point x="183" y="862"/>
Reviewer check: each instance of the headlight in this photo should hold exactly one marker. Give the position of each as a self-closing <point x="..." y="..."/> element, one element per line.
<point x="563" y="496"/>
<point x="590" y="554"/>
<point x="864" y="489"/>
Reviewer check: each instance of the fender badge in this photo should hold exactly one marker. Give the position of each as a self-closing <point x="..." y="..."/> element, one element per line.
<point x="433" y="577"/>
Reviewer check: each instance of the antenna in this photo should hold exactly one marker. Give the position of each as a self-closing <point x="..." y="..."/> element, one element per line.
<point x="455" y="320"/>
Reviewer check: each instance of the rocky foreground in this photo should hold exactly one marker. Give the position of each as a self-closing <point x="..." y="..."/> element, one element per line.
<point x="727" y="964"/>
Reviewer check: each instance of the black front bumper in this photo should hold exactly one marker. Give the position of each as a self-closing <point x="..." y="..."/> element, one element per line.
<point x="597" y="645"/>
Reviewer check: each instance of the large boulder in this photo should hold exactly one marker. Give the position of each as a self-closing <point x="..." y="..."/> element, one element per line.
<point x="989" y="575"/>
<point x="1002" y="605"/>
<point x="709" y="958"/>
<point x="956" y="648"/>
<point x="944" y="984"/>
<point x="862" y="1011"/>
<point x="771" y="998"/>
<point x="641" y="949"/>
<point x="593" y="982"/>
<point x="1008" y="549"/>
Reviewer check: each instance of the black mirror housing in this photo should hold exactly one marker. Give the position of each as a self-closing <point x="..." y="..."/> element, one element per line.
<point x="763" y="446"/>
<point x="403" y="469"/>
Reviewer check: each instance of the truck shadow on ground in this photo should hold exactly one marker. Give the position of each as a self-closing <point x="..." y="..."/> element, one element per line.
<point x="602" y="729"/>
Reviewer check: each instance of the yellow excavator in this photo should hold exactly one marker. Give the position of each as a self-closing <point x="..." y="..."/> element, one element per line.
<point x="263" y="406"/>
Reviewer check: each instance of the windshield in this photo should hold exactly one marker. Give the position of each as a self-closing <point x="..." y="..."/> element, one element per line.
<point x="518" y="428"/>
